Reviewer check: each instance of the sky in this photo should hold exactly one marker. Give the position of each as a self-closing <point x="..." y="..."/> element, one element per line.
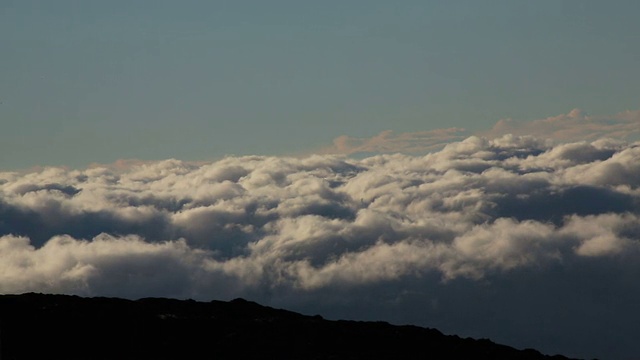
<point x="469" y="166"/>
<point x="95" y="81"/>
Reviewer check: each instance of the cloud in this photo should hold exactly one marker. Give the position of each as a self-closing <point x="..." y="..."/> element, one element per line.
<point x="387" y="141"/>
<point x="574" y="126"/>
<point x="467" y="207"/>
<point x="571" y="127"/>
<point x="98" y="266"/>
<point x="474" y="220"/>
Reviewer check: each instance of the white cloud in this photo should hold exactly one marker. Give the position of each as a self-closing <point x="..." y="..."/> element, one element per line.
<point x="483" y="206"/>
<point x="604" y="234"/>
<point x="127" y="266"/>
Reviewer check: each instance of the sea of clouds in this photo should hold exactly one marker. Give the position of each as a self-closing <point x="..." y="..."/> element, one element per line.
<point x="527" y="241"/>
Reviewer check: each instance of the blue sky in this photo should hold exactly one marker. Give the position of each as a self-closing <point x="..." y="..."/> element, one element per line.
<point x="97" y="81"/>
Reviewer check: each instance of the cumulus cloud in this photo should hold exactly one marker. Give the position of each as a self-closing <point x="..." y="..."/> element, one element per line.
<point x="476" y="207"/>
<point x="476" y="212"/>
<point x="98" y="265"/>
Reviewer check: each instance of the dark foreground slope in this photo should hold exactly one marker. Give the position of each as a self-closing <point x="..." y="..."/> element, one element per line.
<point x="36" y="326"/>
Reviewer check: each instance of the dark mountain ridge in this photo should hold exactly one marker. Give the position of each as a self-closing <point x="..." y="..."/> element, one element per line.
<point x="36" y="326"/>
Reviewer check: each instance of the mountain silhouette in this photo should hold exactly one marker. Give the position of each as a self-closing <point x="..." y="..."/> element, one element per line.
<point x="39" y="326"/>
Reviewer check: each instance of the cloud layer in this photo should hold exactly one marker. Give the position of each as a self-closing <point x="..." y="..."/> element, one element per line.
<point x="388" y="142"/>
<point x="573" y="126"/>
<point x="478" y="218"/>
